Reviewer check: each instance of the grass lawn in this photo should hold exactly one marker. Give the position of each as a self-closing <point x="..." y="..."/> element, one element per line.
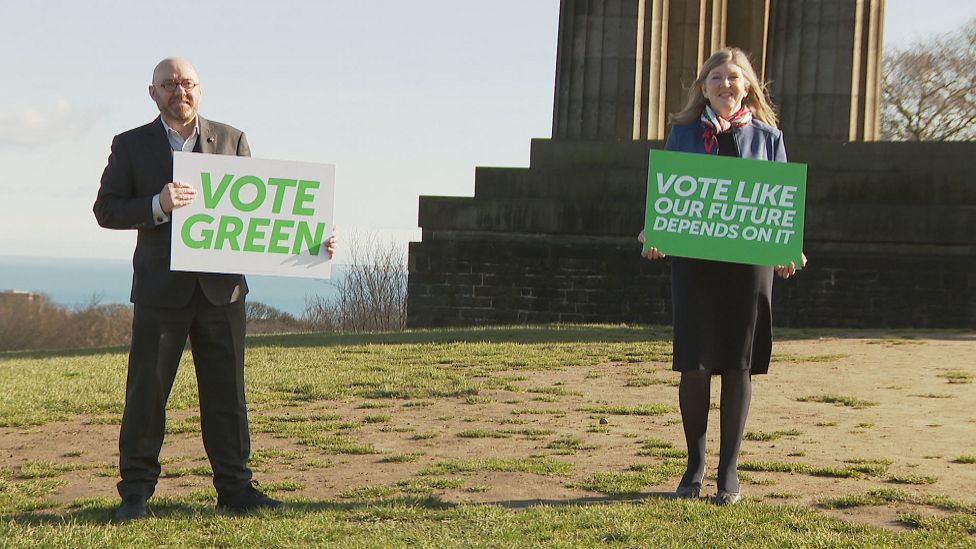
<point x="502" y="437"/>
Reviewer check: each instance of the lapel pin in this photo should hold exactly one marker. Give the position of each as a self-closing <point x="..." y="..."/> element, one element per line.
<point x="210" y="140"/>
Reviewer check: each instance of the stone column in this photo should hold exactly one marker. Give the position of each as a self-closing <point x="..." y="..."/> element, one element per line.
<point x="595" y="69"/>
<point x="623" y="65"/>
<point x="824" y="64"/>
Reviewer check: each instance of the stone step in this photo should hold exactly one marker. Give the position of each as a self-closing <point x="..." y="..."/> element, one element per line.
<point x="947" y="224"/>
<point x="603" y="184"/>
<point x="823" y="186"/>
<point x="531" y="215"/>
<point x="948" y="158"/>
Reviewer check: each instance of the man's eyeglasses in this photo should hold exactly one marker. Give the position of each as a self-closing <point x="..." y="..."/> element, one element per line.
<point x="170" y="85"/>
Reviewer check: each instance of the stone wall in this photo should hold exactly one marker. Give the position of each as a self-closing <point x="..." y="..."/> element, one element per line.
<point x="890" y="232"/>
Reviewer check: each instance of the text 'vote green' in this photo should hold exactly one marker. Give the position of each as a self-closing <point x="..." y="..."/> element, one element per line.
<point x="259" y="234"/>
<point x="239" y="191"/>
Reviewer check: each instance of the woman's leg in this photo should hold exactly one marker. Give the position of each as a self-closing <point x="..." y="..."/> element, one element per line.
<point x="693" y="398"/>
<point x="736" y="396"/>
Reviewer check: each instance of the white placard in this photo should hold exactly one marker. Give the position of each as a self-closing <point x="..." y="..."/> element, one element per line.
<point x="253" y="216"/>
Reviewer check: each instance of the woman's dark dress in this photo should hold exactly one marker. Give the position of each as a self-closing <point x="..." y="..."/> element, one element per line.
<point x="722" y="313"/>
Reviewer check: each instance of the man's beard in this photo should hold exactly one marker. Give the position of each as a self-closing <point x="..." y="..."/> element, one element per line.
<point x="183" y="112"/>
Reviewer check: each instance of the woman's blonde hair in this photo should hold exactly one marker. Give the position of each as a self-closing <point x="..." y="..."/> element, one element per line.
<point x="756" y="98"/>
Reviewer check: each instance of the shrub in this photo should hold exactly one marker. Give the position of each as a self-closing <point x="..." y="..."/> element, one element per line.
<point x="372" y="294"/>
<point x="34" y="322"/>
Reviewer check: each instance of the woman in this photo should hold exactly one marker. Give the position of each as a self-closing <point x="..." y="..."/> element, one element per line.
<point x="722" y="321"/>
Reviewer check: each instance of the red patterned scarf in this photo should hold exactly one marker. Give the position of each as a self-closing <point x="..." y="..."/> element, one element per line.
<point x="715" y="124"/>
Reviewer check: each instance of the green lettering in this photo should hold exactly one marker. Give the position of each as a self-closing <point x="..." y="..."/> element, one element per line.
<point x="206" y="235"/>
<point x="280" y="185"/>
<point x="229" y="230"/>
<point x="210" y="199"/>
<point x="254" y="232"/>
<point x="235" y="193"/>
<point x="278" y="234"/>
<point x="304" y="234"/>
<point x="302" y="196"/>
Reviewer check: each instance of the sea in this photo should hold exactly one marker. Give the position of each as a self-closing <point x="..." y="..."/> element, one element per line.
<point x="76" y="282"/>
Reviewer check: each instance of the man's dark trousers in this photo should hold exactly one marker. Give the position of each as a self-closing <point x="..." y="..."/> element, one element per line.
<point x="158" y="339"/>
<point x="171" y="306"/>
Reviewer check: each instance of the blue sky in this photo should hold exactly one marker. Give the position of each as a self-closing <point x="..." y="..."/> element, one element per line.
<point x="406" y="98"/>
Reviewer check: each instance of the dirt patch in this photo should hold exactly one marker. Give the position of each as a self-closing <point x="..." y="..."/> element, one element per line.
<point x="906" y="414"/>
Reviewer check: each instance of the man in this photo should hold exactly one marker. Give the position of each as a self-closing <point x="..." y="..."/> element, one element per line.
<point x="137" y="192"/>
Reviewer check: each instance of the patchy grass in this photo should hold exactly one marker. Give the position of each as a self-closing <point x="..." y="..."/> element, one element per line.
<point x="647" y="381"/>
<point x="968" y="459"/>
<point x="769" y="436"/>
<point x="794" y="358"/>
<point x="621" y="483"/>
<point x="401" y="458"/>
<point x="428" y="485"/>
<point x="529" y="432"/>
<point x="374" y="404"/>
<point x="877" y="467"/>
<point x="418" y="403"/>
<point x="885" y="496"/>
<point x="842" y="400"/>
<point x="48" y="469"/>
<point x="367" y="492"/>
<point x="639" y="410"/>
<point x="482" y="433"/>
<point x="555" y="412"/>
<point x="957" y="376"/>
<point x="794" y="467"/>
<point x="912" y="479"/>
<point x="571" y="444"/>
<point x="554" y="390"/>
<point x="537" y="466"/>
<point x="958" y="523"/>
<point x="661" y="448"/>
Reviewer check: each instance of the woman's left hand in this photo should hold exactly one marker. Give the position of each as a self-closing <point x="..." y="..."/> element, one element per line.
<point x="786" y="271"/>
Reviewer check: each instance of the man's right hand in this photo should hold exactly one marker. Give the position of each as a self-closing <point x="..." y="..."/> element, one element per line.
<point x="650" y="253"/>
<point x="176" y="195"/>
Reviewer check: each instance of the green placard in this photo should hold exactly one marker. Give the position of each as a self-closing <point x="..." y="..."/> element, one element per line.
<point x="725" y="208"/>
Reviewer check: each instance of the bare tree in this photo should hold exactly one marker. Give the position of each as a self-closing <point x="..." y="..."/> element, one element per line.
<point x="929" y="89"/>
<point x="371" y="295"/>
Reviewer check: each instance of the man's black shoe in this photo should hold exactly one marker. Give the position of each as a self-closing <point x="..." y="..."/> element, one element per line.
<point x="247" y="500"/>
<point x="132" y="508"/>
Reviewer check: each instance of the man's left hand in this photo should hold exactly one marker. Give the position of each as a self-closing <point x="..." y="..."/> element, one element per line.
<point x="330" y="245"/>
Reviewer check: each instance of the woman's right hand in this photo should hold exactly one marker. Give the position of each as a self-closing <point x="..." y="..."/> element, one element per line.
<point x="650" y="253"/>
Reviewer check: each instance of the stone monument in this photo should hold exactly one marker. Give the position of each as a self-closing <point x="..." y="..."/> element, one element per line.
<point x="890" y="228"/>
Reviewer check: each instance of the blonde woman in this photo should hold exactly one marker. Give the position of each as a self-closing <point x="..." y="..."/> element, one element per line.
<point x="722" y="311"/>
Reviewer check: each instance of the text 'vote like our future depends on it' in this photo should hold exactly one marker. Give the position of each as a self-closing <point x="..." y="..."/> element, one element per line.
<point x="728" y="205"/>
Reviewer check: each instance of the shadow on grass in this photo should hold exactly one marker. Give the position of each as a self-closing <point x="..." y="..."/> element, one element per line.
<point x="538" y="333"/>
<point x="543" y="333"/>
<point x="64" y="353"/>
<point x="547" y="333"/>
<point x="573" y="333"/>
<point x="171" y="509"/>
<point x="637" y="497"/>
<point x="181" y="509"/>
